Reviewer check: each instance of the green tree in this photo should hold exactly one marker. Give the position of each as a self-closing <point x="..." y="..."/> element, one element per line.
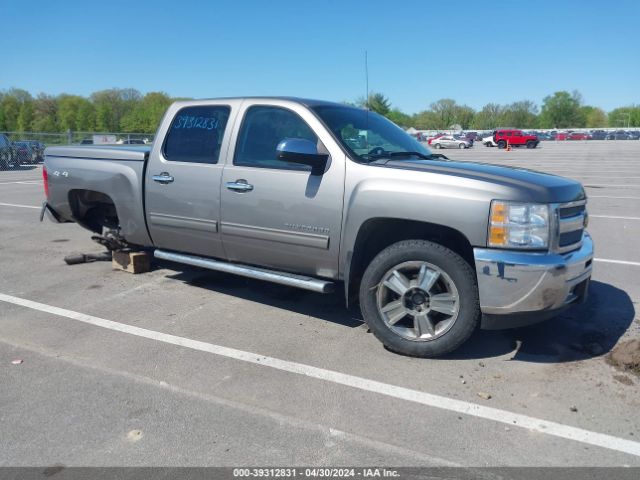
<point x="112" y="105"/>
<point x="86" y="117"/>
<point x="426" y="120"/>
<point x="522" y="114"/>
<point x="445" y="112"/>
<point x="45" y="114"/>
<point x="562" y="110"/>
<point x="376" y="102"/>
<point x="11" y="105"/>
<point x="146" y="114"/>
<point x="594" y="117"/>
<point x="489" y="117"/>
<point x="68" y="107"/>
<point x="25" y="117"/>
<point x="464" y="116"/>
<point x="623" y="116"/>
<point x="400" y="118"/>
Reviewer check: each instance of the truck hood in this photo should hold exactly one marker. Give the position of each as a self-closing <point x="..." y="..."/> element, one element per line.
<point x="531" y="185"/>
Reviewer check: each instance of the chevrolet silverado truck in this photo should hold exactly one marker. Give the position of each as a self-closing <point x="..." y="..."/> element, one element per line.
<point x="272" y="189"/>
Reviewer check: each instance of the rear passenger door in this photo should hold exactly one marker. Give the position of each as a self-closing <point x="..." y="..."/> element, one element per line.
<point x="277" y="213"/>
<point x="182" y="184"/>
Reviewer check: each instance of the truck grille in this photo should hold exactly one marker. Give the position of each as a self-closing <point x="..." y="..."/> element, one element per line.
<point x="571" y="222"/>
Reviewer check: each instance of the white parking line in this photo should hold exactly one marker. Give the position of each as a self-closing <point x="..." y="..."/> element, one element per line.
<point x="607" y="196"/>
<point x="614" y="216"/>
<point x="621" y="262"/>
<point x="23" y="182"/>
<point x="436" y="401"/>
<point x="17" y="206"/>
<point x="599" y="185"/>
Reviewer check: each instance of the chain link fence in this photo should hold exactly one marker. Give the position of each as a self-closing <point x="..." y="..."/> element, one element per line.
<point x="18" y="149"/>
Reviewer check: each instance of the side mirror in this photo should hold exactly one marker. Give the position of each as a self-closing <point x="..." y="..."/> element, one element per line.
<point x="303" y="151"/>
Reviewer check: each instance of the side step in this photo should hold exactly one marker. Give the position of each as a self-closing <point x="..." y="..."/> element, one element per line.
<point x="283" y="278"/>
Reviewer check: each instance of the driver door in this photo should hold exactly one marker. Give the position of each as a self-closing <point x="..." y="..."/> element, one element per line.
<point x="275" y="213"/>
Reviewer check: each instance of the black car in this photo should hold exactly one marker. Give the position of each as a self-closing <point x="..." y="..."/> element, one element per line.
<point x="38" y="148"/>
<point x="6" y="152"/>
<point x="133" y="141"/>
<point x="23" y="152"/>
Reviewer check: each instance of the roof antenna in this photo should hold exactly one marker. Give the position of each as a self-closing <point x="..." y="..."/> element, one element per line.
<point x="366" y="75"/>
<point x="366" y="101"/>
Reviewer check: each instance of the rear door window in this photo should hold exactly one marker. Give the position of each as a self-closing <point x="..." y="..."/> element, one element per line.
<point x="196" y="134"/>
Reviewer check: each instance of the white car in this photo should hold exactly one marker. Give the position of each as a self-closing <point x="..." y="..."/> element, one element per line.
<point x="449" y="141"/>
<point x="488" y="141"/>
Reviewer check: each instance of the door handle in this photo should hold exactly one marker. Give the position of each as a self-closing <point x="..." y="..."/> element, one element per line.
<point x="239" y="186"/>
<point x="163" y="178"/>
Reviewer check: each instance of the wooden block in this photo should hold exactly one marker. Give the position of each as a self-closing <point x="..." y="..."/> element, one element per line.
<point x="132" y="262"/>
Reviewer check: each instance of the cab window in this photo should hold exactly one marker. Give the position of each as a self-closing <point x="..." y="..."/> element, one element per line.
<point x="263" y="128"/>
<point x="196" y="133"/>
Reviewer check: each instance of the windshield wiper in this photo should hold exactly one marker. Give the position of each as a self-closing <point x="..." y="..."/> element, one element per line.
<point x="423" y="156"/>
<point x="370" y="158"/>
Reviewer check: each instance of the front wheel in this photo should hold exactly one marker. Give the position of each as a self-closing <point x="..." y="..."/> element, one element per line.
<point x="438" y="146"/>
<point x="531" y="144"/>
<point x="420" y="299"/>
<point x="462" y="145"/>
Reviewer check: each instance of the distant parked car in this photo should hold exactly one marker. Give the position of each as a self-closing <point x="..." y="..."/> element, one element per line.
<point x="38" y="148"/>
<point x="561" y="136"/>
<point x="133" y="141"/>
<point x="6" y="152"/>
<point x="488" y="141"/>
<point x="24" y="153"/>
<point x="431" y="139"/>
<point x="515" y="138"/>
<point x="544" y="136"/>
<point x="86" y="141"/>
<point x="634" y="135"/>
<point x="464" y="136"/>
<point x="449" y="141"/>
<point x="578" y="136"/>
<point x="598" y="135"/>
<point x="619" y="135"/>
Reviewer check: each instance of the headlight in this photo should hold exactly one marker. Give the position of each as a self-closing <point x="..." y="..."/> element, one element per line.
<point x="519" y="225"/>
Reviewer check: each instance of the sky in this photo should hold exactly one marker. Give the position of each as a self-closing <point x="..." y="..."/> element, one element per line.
<point x="418" y="51"/>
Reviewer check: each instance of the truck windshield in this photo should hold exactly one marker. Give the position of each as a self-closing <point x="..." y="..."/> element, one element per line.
<point x="367" y="135"/>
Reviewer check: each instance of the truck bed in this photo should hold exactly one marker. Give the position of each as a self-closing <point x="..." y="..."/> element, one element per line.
<point x="125" y="153"/>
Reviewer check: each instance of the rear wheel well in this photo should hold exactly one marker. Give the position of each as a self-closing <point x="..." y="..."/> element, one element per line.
<point x="93" y="210"/>
<point x="377" y="234"/>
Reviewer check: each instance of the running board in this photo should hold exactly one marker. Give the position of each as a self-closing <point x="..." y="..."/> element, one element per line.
<point x="283" y="278"/>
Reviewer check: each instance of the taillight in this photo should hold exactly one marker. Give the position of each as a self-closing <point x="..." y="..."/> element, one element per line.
<point x="45" y="179"/>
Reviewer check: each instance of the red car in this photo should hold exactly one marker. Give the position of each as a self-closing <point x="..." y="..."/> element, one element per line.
<point x="578" y="136"/>
<point x="561" y="136"/>
<point x="433" y="138"/>
<point x="514" y="138"/>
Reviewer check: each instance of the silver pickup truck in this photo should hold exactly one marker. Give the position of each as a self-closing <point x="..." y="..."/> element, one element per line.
<point x="315" y="194"/>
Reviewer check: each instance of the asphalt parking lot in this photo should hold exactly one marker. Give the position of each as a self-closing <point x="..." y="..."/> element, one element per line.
<point x="182" y="366"/>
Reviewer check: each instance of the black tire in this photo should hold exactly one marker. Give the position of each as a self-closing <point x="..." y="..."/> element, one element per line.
<point x="531" y="144"/>
<point x="458" y="270"/>
<point x="438" y="146"/>
<point x="462" y="145"/>
<point x="502" y="144"/>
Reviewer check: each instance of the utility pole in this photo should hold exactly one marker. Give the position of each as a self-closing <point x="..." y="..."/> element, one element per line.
<point x="628" y="119"/>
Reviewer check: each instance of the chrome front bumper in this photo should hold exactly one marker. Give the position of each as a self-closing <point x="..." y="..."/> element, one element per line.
<point x="515" y="283"/>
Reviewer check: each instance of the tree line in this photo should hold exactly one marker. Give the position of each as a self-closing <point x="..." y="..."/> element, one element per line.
<point x="559" y="110"/>
<point x="127" y="110"/>
<point x="112" y="110"/>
